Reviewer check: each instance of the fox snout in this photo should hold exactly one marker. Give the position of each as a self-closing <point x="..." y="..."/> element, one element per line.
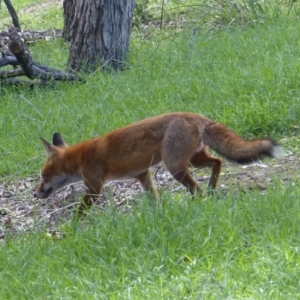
<point x="49" y="185"/>
<point x="43" y="192"/>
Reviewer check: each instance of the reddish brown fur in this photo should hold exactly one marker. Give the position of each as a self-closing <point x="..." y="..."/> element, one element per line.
<point x="177" y="139"/>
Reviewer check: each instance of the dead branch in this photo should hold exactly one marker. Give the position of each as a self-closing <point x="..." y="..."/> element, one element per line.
<point x="13" y="13"/>
<point x="19" y="83"/>
<point x="11" y="73"/>
<point x="8" y="59"/>
<point x="18" y="56"/>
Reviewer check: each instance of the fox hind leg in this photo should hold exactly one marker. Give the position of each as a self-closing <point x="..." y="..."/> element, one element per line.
<point x="180" y="142"/>
<point x="182" y="175"/>
<point x="203" y="159"/>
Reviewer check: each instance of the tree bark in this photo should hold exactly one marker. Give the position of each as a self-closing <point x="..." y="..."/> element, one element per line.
<point x="69" y="11"/>
<point x="99" y="33"/>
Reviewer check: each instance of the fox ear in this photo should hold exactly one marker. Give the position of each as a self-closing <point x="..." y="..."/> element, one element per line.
<point x="58" y="140"/>
<point x="48" y="146"/>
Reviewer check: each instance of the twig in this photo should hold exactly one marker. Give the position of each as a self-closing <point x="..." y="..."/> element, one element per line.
<point x="162" y="14"/>
<point x="11" y="73"/>
<point x="192" y="39"/>
<point x="13" y="13"/>
<point x="155" y="174"/>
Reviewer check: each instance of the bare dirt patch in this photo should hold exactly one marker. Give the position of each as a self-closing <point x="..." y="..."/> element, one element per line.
<point x="20" y="212"/>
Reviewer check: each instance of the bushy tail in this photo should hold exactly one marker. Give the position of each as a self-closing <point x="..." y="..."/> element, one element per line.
<point x="234" y="148"/>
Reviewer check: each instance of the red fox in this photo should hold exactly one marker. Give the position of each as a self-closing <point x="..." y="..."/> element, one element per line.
<point x="179" y="139"/>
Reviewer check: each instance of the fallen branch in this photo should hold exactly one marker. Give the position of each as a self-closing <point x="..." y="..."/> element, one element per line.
<point x="12" y="73"/>
<point x="13" y="13"/>
<point x="19" y="57"/>
<point x="8" y="59"/>
<point x="19" y="82"/>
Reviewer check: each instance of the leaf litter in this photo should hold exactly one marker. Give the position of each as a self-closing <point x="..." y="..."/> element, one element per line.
<point x="21" y="212"/>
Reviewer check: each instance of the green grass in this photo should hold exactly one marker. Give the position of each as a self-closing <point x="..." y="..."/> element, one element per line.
<point x="244" y="246"/>
<point x="31" y="17"/>
<point x="247" y="79"/>
<point x="38" y="20"/>
<point x="241" y="246"/>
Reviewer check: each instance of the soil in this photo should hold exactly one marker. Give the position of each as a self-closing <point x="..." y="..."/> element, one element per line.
<point x="21" y="212"/>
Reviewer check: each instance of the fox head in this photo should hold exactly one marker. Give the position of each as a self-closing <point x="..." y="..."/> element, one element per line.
<point x="54" y="174"/>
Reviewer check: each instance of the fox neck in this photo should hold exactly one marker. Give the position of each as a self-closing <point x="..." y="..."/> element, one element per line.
<point x="73" y="160"/>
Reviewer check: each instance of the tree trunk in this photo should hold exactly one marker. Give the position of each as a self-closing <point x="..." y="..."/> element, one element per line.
<point x="98" y="32"/>
<point x="69" y="11"/>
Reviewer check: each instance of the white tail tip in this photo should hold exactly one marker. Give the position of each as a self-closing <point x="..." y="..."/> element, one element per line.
<point x="278" y="152"/>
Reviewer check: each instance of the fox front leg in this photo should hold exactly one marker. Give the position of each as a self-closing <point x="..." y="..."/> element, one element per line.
<point x="93" y="190"/>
